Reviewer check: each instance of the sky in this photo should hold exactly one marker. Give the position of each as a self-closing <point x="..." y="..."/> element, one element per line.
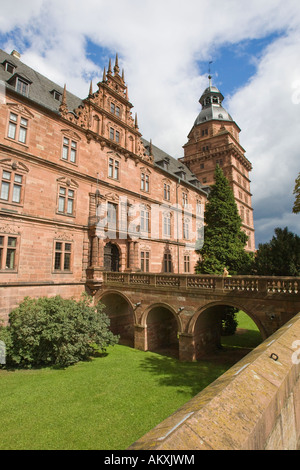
<point x="165" y="47"/>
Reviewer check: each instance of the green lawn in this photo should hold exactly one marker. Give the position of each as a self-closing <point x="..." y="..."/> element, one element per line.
<point x="106" y="403"/>
<point x="247" y="335"/>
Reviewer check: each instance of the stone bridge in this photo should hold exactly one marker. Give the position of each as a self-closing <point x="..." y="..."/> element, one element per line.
<point x="183" y="312"/>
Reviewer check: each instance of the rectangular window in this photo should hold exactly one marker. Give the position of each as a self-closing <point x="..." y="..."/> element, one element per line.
<point x="186" y="263"/>
<point x="12" y="126"/>
<point x="17" y="187"/>
<point x="145" y="182"/>
<point x="166" y="192"/>
<point x="22" y="86"/>
<point x="117" y="136"/>
<point x="186" y="230"/>
<point x="167" y="225"/>
<point x="11" y="186"/>
<point x="5" y="185"/>
<point x="17" y="128"/>
<point x="112" y="108"/>
<point x="112" y="133"/>
<point x="66" y="200"/>
<point x="199" y="208"/>
<point x="23" y="130"/>
<point x="117" y="111"/>
<point x="184" y="199"/>
<point x="8" y="248"/>
<point x="113" y="168"/>
<point x="145" y="218"/>
<point x="69" y="150"/>
<point x="62" y="256"/>
<point x="145" y="258"/>
<point x="167" y="262"/>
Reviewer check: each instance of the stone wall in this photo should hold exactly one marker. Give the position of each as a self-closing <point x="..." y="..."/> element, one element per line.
<point x="254" y="406"/>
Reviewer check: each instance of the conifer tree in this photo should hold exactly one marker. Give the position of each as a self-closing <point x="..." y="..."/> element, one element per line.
<point x="296" y="206"/>
<point x="224" y="241"/>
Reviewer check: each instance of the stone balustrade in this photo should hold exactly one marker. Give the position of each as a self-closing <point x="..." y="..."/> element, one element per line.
<point x="255" y="284"/>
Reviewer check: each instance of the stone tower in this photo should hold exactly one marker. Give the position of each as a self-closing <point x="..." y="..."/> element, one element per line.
<point x="214" y="139"/>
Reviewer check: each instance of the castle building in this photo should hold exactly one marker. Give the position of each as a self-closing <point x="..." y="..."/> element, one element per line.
<point x="83" y="192"/>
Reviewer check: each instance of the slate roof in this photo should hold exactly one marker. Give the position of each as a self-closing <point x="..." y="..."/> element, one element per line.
<point x="41" y="92"/>
<point x="40" y="87"/>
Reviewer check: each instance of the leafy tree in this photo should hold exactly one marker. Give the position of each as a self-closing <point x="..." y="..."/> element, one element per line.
<point x="280" y="256"/>
<point x="229" y="321"/>
<point x="56" y="331"/>
<point x="224" y="241"/>
<point x="296" y="207"/>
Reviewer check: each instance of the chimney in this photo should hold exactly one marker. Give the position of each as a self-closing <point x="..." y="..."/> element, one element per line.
<point x="16" y="54"/>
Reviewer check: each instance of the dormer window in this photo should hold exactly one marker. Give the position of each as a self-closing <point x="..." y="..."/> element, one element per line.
<point x="20" y="83"/>
<point x="22" y="86"/>
<point x="56" y="95"/>
<point x="9" y="67"/>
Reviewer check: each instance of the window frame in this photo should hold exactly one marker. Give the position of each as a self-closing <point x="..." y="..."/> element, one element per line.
<point x="69" y="148"/>
<point x="168" y="263"/>
<point x="20" y="127"/>
<point x="145" y="261"/>
<point x="64" y="197"/>
<point x="144" y="220"/>
<point x="186" y="264"/>
<point x="62" y="257"/>
<point x="167" y="191"/>
<point x="167" y="225"/>
<point x="145" y="182"/>
<point x="113" y="168"/>
<point x="5" y="248"/>
<point x="12" y="185"/>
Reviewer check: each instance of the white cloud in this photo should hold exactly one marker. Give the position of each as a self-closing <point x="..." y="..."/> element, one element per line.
<point x="159" y="43"/>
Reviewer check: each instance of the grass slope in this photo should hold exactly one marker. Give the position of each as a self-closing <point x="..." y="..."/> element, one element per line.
<point x="106" y="403"/>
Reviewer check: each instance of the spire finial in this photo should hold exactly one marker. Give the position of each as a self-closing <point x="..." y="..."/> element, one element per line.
<point x="63" y="108"/>
<point x="209" y="73"/>
<point x="150" y="148"/>
<point x="136" y="121"/>
<point x="104" y="75"/>
<point x="116" y="67"/>
<point x="109" y="67"/>
<point x="91" y="88"/>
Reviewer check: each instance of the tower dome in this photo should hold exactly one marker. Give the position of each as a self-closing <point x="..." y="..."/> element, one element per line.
<point x="212" y="109"/>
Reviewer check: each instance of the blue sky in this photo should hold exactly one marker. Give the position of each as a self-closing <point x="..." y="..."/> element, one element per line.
<point x="165" y="47"/>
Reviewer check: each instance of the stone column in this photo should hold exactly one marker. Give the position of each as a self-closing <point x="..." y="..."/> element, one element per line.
<point x="140" y="337"/>
<point x="186" y="347"/>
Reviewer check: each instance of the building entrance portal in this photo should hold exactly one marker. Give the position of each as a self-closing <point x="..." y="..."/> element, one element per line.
<point x="111" y="257"/>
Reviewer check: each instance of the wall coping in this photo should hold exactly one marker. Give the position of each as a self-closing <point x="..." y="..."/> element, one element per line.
<point x="255" y="405"/>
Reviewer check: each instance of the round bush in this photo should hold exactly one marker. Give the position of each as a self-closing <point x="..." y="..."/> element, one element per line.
<point x="57" y="331"/>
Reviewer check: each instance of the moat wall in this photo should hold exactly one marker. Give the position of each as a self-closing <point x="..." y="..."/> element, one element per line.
<point x="255" y="405"/>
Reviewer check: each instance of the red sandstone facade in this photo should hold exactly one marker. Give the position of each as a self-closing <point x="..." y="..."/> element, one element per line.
<point x="82" y="192"/>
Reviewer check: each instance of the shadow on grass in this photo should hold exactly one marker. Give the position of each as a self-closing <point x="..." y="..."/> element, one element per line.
<point x="193" y="377"/>
<point x="187" y="377"/>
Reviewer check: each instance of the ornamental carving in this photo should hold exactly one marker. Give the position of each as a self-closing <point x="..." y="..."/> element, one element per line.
<point x="20" y="109"/>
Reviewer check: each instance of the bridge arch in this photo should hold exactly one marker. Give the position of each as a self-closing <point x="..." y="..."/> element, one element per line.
<point x="163" y="326"/>
<point x="221" y="303"/>
<point x="121" y="313"/>
<point x="205" y="326"/>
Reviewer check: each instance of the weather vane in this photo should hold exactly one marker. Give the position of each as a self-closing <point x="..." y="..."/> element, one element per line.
<point x="210" y="62"/>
